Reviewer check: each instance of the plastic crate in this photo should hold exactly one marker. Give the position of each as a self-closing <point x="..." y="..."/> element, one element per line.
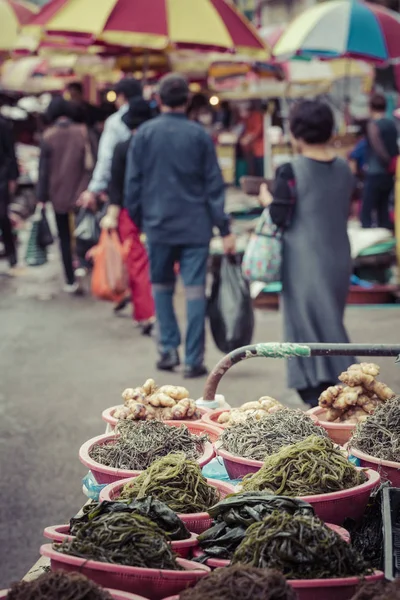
<point x="391" y="532"/>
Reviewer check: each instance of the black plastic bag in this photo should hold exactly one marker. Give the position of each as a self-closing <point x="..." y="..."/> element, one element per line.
<point x="44" y="236"/>
<point x="230" y="308"/>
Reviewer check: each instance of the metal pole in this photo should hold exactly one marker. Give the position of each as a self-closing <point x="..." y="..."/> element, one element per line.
<point x="276" y="350"/>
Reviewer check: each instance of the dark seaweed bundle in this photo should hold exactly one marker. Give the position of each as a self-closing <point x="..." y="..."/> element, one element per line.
<point x="378" y="590"/>
<point x="313" y="466"/>
<point x="301" y="547"/>
<point x="379" y="434"/>
<point x="138" y="445"/>
<point x="176" y="481"/>
<point x="258" y="438"/>
<point x="240" y="582"/>
<point x="236" y="513"/>
<point x="57" y="585"/>
<point x="121" y="538"/>
<point x="173" y="527"/>
<point x="367" y="535"/>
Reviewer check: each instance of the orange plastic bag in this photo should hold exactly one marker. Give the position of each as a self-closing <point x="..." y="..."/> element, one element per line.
<point x="109" y="277"/>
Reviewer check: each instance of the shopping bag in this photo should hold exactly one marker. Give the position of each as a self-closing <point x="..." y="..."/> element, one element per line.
<point x="262" y="260"/>
<point x="87" y="227"/>
<point x="109" y="277"/>
<point x="230" y="308"/>
<point x="35" y="254"/>
<point x="44" y="235"/>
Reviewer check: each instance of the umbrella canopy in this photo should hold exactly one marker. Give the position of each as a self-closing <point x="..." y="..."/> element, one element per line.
<point x="343" y="28"/>
<point x="12" y="16"/>
<point x="150" y="24"/>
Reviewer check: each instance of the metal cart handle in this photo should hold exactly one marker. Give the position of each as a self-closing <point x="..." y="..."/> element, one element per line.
<point x="275" y="350"/>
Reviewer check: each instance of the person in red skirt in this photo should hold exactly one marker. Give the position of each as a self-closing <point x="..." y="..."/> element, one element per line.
<point x="118" y="217"/>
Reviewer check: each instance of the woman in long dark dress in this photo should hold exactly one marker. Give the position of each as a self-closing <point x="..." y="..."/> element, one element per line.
<point x="311" y="201"/>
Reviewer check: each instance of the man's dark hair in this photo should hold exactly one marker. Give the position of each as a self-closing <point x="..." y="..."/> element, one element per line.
<point x="75" y="86"/>
<point x="312" y="121"/>
<point x="59" y="107"/>
<point x="174" y="91"/>
<point x="129" y="87"/>
<point x="377" y="103"/>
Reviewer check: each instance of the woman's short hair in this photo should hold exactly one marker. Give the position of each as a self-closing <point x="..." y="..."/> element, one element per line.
<point x="377" y="103"/>
<point x="312" y="121"/>
<point x="59" y="107"/>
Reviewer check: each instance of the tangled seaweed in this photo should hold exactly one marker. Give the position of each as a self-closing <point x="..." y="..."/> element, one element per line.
<point x="313" y="466"/>
<point x="241" y="582"/>
<point x="379" y="434"/>
<point x="140" y="444"/>
<point x="176" y="481"/>
<point x="378" y="590"/>
<point x="257" y="439"/>
<point x="301" y="547"/>
<point x="124" y="539"/>
<point x="57" y="585"/>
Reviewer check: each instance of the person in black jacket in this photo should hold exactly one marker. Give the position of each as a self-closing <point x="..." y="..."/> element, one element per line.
<point x="117" y="217"/>
<point x="8" y="183"/>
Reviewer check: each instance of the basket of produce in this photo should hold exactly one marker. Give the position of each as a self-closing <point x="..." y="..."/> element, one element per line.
<point x="181" y="540"/>
<point x="225" y="418"/>
<point x="136" y="445"/>
<point x="318" y="472"/>
<point x="232" y="517"/>
<point x="244" y="446"/>
<point x="155" y="582"/>
<point x="149" y="402"/>
<point x="180" y="484"/>
<point x="376" y="442"/>
<point x="108" y="416"/>
<point x="60" y="585"/>
<point x="342" y="407"/>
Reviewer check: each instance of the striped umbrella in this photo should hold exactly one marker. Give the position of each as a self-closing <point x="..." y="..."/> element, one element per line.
<point x="149" y="24"/>
<point x="12" y="16"/>
<point x="348" y="28"/>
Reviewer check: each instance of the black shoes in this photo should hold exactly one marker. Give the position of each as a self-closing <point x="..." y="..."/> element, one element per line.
<point x="194" y="372"/>
<point x="168" y="361"/>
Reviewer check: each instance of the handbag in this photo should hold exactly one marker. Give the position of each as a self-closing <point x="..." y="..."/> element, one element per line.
<point x="44" y="235"/>
<point x="262" y="260"/>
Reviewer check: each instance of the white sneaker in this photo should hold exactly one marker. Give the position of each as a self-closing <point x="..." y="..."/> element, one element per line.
<point x="80" y="278"/>
<point x="71" y="288"/>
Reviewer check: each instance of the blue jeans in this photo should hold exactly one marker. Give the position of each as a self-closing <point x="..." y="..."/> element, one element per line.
<point x="192" y="261"/>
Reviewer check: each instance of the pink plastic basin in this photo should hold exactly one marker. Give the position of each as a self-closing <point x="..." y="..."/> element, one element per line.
<point x="183" y="548"/>
<point x="216" y="563"/>
<point x="340" y="433"/>
<point x="155" y="583"/>
<point x="104" y="474"/>
<point x="389" y="470"/>
<point x="116" y="594"/>
<point x="236" y="466"/>
<point x="108" y="415"/>
<point x="195" y="522"/>
<point x="325" y="589"/>
<point x="212" y="418"/>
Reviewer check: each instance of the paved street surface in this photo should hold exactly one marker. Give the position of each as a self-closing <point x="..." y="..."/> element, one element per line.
<point x="63" y="360"/>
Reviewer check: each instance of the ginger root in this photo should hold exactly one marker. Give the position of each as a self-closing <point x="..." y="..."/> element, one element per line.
<point x="257" y="409"/>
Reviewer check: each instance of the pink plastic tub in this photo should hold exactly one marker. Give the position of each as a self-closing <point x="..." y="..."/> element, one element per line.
<point x="108" y="415"/>
<point x="195" y="522"/>
<point x="216" y="563"/>
<point x="325" y="589"/>
<point x="340" y="433"/>
<point x="236" y="466"/>
<point x="389" y="470"/>
<point x="116" y="594"/>
<point x="183" y="548"/>
<point x="155" y="583"/>
<point x="104" y="474"/>
<point x="212" y="418"/>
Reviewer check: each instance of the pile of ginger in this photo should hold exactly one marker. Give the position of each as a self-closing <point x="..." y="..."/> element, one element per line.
<point x="149" y="402"/>
<point x="360" y="395"/>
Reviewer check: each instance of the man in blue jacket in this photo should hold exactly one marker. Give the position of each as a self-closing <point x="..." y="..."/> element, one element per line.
<point x="175" y="193"/>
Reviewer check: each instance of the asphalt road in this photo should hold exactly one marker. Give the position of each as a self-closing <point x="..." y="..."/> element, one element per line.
<point x="62" y="361"/>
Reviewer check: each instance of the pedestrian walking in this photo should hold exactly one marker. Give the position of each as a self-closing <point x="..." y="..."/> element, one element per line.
<point x="311" y="202"/>
<point x="174" y="191"/>
<point x="67" y="158"/>
<point x="8" y="183"/>
<point x="117" y="217"/>
<point x="381" y="152"/>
